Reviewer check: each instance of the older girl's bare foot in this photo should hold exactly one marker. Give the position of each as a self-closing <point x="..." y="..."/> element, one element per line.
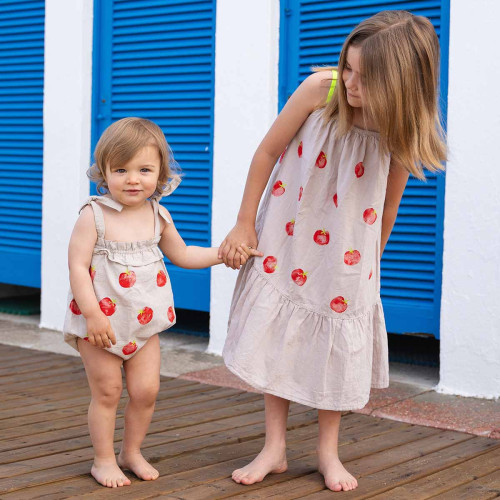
<point x="336" y="476"/>
<point x="107" y="473"/>
<point x="136" y="463"/>
<point x="268" y="461"/>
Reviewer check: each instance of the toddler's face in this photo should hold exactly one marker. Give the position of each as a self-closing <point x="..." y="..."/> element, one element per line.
<point x="131" y="184"/>
<point x="352" y="77"/>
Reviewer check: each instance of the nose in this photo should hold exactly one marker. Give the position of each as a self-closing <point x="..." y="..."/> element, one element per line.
<point x="352" y="81"/>
<point x="132" y="178"/>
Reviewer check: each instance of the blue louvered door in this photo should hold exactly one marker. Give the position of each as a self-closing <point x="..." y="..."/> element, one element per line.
<point x="312" y="33"/>
<point x="155" y="59"/>
<point x="21" y="140"/>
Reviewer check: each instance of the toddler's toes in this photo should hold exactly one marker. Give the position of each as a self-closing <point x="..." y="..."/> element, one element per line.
<point x="236" y="475"/>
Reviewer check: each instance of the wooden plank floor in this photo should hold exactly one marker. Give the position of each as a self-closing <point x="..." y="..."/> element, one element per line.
<point x="200" y="433"/>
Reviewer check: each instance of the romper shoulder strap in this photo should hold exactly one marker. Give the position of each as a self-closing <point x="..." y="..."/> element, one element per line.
<point x="98" y="219"/>
<point x="94" y="201"/>
<point x="158" y="213"/>
<point x="333" y="85"/>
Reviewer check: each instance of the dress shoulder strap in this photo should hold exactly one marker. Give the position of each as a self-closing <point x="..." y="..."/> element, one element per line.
<point x="333" y="85"/>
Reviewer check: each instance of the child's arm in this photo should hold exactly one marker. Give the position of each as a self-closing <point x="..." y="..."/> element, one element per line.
<point x="189" y="257"/>
<point x="310" y="94"/>
<point x="80" y="249"/>
<point x="396" y="183"/>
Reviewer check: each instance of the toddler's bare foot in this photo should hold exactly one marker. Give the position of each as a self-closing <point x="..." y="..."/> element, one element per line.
<point x="107" y="473"/>
<point x="267" y="461"/>
<point x="336" y="476"/>
<point x="138" y="465"/>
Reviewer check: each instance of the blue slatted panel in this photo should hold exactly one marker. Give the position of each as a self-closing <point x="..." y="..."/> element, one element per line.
<point x="155" y="59"/>
<point x="313" y="32"/>
<point x="21" y="140"/>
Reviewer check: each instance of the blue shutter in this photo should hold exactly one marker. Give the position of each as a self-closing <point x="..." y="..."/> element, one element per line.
<point x="155" y="59"/>
<point x="312" y="33"/>
<point x="21" y="140"/>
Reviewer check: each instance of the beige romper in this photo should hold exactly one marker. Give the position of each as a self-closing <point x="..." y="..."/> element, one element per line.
<point x="131" y="284"/>
<point x="306" y="320"/>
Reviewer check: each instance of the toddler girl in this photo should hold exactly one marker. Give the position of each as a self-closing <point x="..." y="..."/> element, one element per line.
<point x="121" y="295"/>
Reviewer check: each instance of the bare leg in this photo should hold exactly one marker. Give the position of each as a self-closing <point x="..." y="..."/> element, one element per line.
<point x="142" y="372"/>
<point x="336" y="476"/>
<point x="272" y="458"/>
<point x="105" y="380"/>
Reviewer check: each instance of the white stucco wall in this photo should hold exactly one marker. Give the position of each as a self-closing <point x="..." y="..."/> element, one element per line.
<point x="246" y="103"/>
<point x="67" y="111"/>
<point x="470" y="311"/>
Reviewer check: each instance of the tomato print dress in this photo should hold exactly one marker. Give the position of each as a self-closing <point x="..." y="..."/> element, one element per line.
<point x="306" y="321"/>
<point x="131" y="284"/>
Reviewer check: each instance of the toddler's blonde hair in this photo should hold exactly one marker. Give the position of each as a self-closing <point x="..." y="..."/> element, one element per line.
<point x="121" y="141"/>
<point x="400" y="69"/>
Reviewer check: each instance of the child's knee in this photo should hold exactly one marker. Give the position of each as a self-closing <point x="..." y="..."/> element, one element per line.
<point x="145" y="395"/>
<point x="108" y="395"/>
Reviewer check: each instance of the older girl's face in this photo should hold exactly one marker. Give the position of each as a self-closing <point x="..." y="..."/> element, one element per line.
<point x="352" y="77"/>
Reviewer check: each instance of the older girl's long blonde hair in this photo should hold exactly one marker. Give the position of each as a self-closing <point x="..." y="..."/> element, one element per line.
<point x="400" y="69"/>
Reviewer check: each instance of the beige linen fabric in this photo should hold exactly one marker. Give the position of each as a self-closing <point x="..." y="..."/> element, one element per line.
<point x="131" y="284"/>
<point x="306" y="320"/>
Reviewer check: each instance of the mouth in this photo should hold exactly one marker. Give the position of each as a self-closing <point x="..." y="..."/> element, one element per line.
<point x="352" y="95"/>
<point x="132" y="191"/>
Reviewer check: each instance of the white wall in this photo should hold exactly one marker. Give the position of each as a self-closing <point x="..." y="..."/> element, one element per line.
<point x="246" y="103"/>
<point x="67" y="110"/>
<point x="470" y="309"/>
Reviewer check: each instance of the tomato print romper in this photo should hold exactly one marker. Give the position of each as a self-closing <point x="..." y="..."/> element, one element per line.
<point x="131" y="284"/>
<point x="306" y="321"/>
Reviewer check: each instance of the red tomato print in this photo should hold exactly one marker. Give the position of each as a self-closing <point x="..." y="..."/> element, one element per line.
<point x="338" y="304"/>
<point x="299" y="277"/>
<point x="283" y="155"/>
<point x="108" y="306"/>
<point x="300" y="192"/>
<point x="73" y="306"/>
<point x="161" y="278"/>
<point x="92" y="272"/>
<point x="290" y="227"/>
<point x="86" y="339"/>
<point x="321" y="237"/>
<point x="145" y="316"/>
<point x="127" y="279"/>
<point x="278" y="188"/>
<point x="171" y="314"/>
<point x="299" y="150"/>
<point x="359" y="169"/>
<point x="335" y="200"/>
<point x="270" y="264"/>
<point x="352" y="257"/>
<point x="130" y="348"/>
<point x="370" y="216"/>
<point x="321" y="160"/>
<point x="371" y="274"/>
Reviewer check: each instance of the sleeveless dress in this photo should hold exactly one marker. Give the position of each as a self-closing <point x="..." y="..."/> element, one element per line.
<point x="306" y="320"/>
<point x="131" y="284"/>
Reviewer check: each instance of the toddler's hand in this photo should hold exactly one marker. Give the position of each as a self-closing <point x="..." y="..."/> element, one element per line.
<point x="231" y="250"/>
<point x="99" y="331"/>
<point x="247" y="252"/>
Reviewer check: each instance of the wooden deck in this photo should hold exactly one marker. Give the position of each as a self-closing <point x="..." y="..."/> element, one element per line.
<point x="200" y="433"/>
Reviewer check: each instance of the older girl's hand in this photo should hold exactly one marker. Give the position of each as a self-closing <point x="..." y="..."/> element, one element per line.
<point x="240" y="243"/>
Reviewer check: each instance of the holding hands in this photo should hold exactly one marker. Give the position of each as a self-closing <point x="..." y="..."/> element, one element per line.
<point x="239" y="246"/>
